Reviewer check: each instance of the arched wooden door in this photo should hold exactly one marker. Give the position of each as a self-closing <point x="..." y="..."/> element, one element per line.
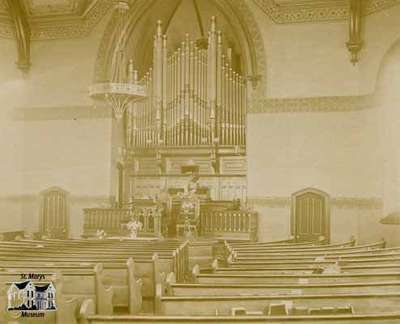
<point x="310" y="215"/>
<point x="54" y="213"/>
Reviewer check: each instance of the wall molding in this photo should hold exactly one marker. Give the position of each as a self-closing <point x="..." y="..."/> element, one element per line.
<point x="61" y="113"/>
<point x="298" y="12"/>
<point x="336" y="202"/>
<point x="312" y="104"/>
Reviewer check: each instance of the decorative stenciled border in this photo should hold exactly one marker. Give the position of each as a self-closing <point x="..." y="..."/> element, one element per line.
<point x="336" y="202"/>
<point x="357" y="203"/>
<point x="80" y="26"/>
<point x="311" y="104"/>
<point x="56" y="28"/>
<point x="328" y="11"/>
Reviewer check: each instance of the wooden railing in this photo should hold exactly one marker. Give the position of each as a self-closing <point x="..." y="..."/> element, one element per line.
<point x="112" y="220"/>
<point x="181" y="258"/>
<point x="229" y="223"/>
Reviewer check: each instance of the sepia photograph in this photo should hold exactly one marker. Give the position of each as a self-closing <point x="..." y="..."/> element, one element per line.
<point x="200" y="161"/>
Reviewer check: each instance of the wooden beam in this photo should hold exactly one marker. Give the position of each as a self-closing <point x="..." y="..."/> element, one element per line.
<point x="355" y="42"/>
<point x="22" y="33"/>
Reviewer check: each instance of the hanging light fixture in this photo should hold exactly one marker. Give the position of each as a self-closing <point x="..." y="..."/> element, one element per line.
<point x="124" y="86"/>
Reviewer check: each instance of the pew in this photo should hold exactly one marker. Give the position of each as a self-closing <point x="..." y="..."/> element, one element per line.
<point x="73" y="265"/>
<point x="371" y="268"/>
<point x="218" y="289"/>
<point x="261" y="264"/>
<point x="210" y="305"/>
<point x="76" y="283"/>
<point x="115" y="275"/>
<point x="325" y="249"/>
<point x="342" y="253"/>
<point x="375" y="253"/>
<point x="87" y="317"/>
<point x="294" y="246"/>
<point x="254" y="278"/>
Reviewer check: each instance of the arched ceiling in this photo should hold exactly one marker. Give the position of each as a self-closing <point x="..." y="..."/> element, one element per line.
<point x="50" y="19"/>
<point x="234" y="19"/>
<point x="180" y="18"/>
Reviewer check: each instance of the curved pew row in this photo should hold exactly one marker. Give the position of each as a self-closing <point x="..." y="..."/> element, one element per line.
<point x="326" y="248"/>
<point x="304" y="278"/>
<point x="115" y="275"/>
<point x="72" y="288"/>
<point x="373" y="253"/>
<point x="223" y="305"/>
<point x="322" y="260"/>
<point x="218" y="289"/>
<point x="318" y="261"/>
<point x="344" y="252"/>
<point x="87" y="247"/>
<point x="271" y="243"/>
<point x="371" y="268"/>
<point x="393" y="318"/>
<point x="306" y="245"/>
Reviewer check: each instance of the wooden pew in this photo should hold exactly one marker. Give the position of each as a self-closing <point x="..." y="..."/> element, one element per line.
<point x="214" y="289"/>
<point x="294" y="246"/>
<point x="279" y="256"/>
<point x="178" y="257"/>
<point x="210" y="305"/>
<point x="87" y="317"/>
<point x="67" y="308"/>
<point x="115" y="269"/>
<point x="370" y="268"/>
<point x="254" y="278"/>
<point x="76" y="283"/>
<point x="316" y="262"/>
<point x="324" y="249"/>
<point x="375" y="253"/>
<point x="114" y="275"/>
<point x="272" y="243"/>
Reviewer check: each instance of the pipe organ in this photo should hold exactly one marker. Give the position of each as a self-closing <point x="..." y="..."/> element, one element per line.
<point x="195" y="110"/>
<point x="194" y="97"/>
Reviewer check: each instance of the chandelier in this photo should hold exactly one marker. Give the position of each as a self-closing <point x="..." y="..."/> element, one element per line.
<point x="124" y="87"/>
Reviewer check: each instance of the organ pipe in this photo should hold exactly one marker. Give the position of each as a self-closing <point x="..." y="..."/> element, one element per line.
<point x="194" y="97"/>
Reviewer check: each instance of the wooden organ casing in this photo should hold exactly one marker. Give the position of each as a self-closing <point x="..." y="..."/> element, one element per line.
<point x="195" y="110"/>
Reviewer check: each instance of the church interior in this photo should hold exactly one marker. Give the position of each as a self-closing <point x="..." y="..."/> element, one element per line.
<point x="212" y="161"/>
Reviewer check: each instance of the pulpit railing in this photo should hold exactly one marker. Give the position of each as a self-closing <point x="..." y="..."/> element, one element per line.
<point x="229" y="223"/>
<point x="113" y="220"/>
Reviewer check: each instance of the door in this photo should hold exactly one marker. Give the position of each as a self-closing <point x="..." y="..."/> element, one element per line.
<point x="54" y="218"/>
<point x="311" y="216"/>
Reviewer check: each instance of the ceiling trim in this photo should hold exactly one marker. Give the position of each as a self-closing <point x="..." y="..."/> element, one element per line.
<point x="325" y="11"/>
<point x="81" y="23"/>
<point x="61" y="26"/>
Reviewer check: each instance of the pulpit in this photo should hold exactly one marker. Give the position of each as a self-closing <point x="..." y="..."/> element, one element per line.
<point x="189" y="215"/>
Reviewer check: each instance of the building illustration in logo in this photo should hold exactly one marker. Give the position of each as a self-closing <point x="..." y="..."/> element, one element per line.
<point x="29" y="296"/>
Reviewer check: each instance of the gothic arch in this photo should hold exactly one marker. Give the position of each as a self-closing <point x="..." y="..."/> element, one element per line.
<point x="236" y="12"/>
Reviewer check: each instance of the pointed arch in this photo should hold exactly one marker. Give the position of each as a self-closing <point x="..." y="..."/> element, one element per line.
<point x="141" y="16"/>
